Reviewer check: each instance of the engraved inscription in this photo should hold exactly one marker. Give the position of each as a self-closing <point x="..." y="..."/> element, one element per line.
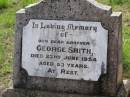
<point x="64" y="49"/>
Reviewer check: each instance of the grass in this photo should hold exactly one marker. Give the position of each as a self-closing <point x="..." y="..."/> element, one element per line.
<point x="26" y="2"/>
<point x="115" y="2"/>
<point x="7" y="22"/>
<point x="3" y="4"/>
<point x="8" y="9"/>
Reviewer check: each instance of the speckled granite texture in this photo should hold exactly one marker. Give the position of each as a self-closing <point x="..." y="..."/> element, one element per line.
<point x="74" y="10"/>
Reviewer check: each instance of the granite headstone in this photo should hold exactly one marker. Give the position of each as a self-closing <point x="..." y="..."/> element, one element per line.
<point x="68" y="46"/>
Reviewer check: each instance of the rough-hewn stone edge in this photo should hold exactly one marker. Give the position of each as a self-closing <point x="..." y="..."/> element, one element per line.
<point x="127" y="86"/>
<point x="116" y="14"/>
<point x="31" y="5"/>
<point x="20" y="20"/>
<point x="21" y="11"/>
<point x="101" y="6"/>
<point x="114" y="76"/>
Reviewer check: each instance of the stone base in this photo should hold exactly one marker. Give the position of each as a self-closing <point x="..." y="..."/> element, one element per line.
<point x="33" y="93"/>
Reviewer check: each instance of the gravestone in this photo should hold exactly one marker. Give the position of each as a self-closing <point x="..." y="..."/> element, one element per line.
<point x="68" y="48"/>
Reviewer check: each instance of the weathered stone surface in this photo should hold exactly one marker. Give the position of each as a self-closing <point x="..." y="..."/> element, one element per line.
<point x="30" y="93"/>
<point x="72" y="10"/>
<point x="36" y="93"/>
